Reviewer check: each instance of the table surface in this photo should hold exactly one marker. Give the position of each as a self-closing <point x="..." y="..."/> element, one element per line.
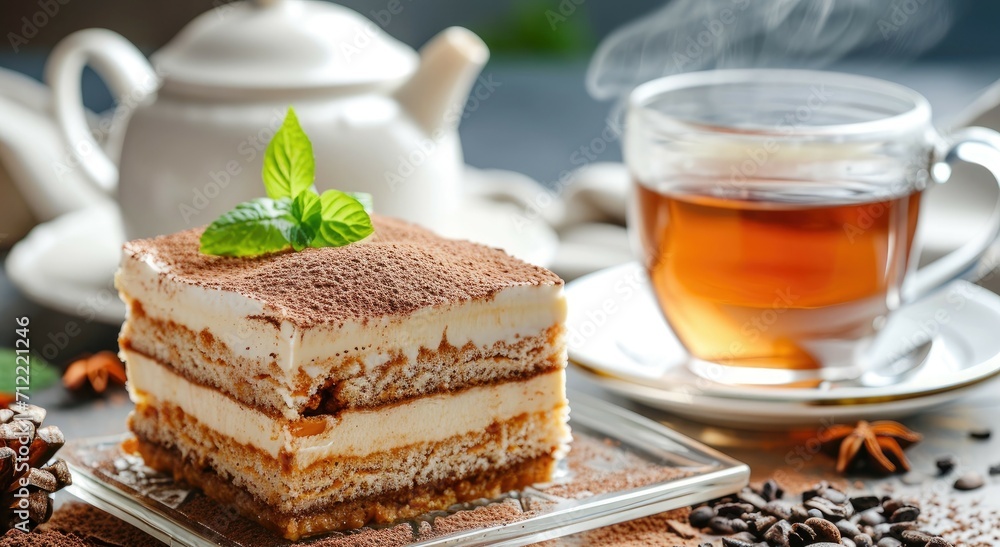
<point x="537" y="117"/>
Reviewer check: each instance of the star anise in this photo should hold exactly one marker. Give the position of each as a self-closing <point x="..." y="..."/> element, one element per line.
<point x="882" y="441"/>
<point x="97" y="370"/>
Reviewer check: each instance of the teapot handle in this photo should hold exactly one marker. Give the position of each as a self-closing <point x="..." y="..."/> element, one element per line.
<point x="127" y="73"/>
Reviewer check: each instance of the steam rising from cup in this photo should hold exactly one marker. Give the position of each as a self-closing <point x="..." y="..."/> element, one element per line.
<point x="691" y="35"/>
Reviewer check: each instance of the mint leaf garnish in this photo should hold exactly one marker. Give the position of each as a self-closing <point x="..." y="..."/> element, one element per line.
<point x="308" y="213"/>
<point x="255" y="227"/>
<point x="294" y="215"/>
<point x="289" y="168"/>
<point x="344" y="220"/>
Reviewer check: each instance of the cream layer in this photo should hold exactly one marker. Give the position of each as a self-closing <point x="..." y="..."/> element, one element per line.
<point x="351" y="433"/>
<point x="240" y="323"/>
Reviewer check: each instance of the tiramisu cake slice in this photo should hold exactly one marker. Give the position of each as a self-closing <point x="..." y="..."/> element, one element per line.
<point x="325" y="389"/>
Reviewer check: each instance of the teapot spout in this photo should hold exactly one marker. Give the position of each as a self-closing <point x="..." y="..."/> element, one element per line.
<point x="436" y="94"/>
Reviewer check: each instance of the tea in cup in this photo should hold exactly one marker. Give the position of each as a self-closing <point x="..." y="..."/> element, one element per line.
<point x="776" y="212"/>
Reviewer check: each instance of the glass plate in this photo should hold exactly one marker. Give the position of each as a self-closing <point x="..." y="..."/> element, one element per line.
<point x="621" y="466"/>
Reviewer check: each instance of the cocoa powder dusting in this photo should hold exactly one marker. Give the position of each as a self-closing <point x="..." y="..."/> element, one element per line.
<point x="95" y="526"/>
<point x="39" y="538"/>
<point x="495" y="514"/>
<point x="80" y="525"/>
<point x="652" y="531"/>
<point x="599" y="466"/>
<point x="398" y="270"/>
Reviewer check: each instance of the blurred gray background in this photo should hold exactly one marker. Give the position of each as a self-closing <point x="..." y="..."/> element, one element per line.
<point x="512" y="26"/>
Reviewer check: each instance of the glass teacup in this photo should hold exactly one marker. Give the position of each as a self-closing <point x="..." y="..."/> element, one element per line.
<point x="777" y="210"/>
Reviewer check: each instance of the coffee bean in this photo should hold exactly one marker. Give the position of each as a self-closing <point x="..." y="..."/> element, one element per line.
<point x="897" y="529"/>
<point x="700" y="516"/>
<point x="906" y="513"/>
<point x="825" y="530"/>
<point x="777" y="535"/>
<point x="770" y="491"/>
<point x="760" y="525"/>
<point x="828" y="508"/>
<point x="872" y="517"/>
<point x="945" y="464"/>
<point x="834" y="495"/>
<point x="890" y="505"/>
<point x="881" y="530"/>
<point x="799" y="514"/>
<point x="915" y="537"/>
<point x="826" y="518"/>
<point x="847" y="528"/>
<point x="779" y="508"/>
<point x="751" y="497"/>
<point x="706" y="544"/>
<point x="980" y="433"/>
<point x="733" y="509"/>
<point x="969" y="481"/>
<point x="864" y="503"/>
<point x="721" y="525"/>
<point x="801" y="535"/>
<point x="995" y="469"/>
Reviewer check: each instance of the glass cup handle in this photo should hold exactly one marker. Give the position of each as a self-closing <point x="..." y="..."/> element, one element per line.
<point x="980" y="146"/>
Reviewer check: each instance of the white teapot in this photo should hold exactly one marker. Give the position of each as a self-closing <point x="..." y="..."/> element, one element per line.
<point x="196" y="121"/>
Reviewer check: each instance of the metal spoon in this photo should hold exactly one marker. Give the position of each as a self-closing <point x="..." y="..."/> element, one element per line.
<point x="890" y="373"/>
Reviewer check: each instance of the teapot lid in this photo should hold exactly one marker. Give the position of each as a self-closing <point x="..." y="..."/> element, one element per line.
<point x="282" y="44"/>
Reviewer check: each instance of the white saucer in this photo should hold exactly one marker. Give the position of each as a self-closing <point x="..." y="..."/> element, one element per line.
<point x="618" y="337"/>
<point x="68" y="263"/>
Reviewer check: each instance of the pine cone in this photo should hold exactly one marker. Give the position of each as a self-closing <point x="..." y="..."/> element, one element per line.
<point x="26" y="483"/>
